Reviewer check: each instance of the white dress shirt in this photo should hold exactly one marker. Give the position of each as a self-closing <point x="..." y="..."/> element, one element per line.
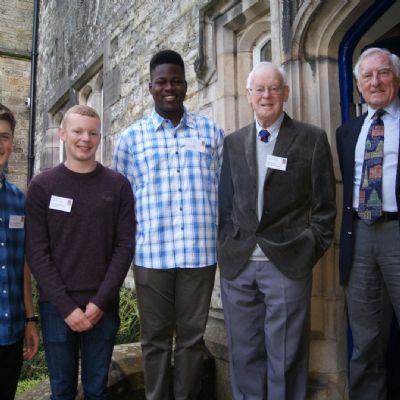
<point x="390" y="155"/>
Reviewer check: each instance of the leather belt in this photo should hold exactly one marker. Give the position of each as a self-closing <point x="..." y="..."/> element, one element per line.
<point x="386" y="215"/>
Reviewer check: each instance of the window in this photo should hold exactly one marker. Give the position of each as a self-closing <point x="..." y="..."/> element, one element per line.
<point x="262" y="50"/>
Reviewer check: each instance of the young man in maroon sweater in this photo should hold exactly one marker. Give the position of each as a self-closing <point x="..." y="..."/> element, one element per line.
<point x="80" y="233"/>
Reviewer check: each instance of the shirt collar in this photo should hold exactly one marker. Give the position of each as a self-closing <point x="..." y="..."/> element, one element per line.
<point x="186" y="120"/>
<point x="272" y="129"/>
<point x="393" y="109"/>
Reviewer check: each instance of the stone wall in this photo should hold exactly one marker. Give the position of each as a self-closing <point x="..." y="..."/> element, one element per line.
<point x="118" y="39"/>
<point x="15" y="49"/>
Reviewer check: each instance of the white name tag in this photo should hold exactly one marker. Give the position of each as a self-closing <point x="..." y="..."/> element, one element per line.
<point x="16" y="222"/>
<point x="60" y="203"/>
<point x="275" y="162"/>
<point x="192" y="144"/>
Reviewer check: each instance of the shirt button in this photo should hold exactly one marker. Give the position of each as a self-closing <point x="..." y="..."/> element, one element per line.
<point x="6" y="315"/>
<point x="3" y="267"/>
<point x="178" y="171"/>
<point x="349" y="233"/>
<point x="2" y="244"/>
<point x="5" y="291"/>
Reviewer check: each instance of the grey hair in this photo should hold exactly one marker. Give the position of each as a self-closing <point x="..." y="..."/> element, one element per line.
<point x="264" y="64"/>
<point x="395" y="60"/>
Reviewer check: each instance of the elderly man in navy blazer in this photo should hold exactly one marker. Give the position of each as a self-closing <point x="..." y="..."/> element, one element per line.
<point x="277" y="211"/>
<point x="368" y="150"/>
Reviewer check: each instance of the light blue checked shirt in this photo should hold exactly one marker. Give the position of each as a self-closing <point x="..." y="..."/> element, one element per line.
<point x="174" y="173"/>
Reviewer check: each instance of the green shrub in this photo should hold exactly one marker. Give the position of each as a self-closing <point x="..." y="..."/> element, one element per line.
<point x="129" y="315"/>
<point x="27" y="384"/>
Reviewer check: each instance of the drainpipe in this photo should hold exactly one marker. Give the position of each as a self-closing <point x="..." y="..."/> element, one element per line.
<point x="32" y="92"/>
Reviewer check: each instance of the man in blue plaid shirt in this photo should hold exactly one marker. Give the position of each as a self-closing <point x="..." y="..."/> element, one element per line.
<point x="16" y="309"/>
<point x="172" y="159"/>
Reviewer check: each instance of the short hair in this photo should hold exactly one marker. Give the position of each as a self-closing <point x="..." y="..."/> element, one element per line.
<point x="265" y="64"/>
<point x="394" y="59"/>
<point x="8" y="116"/>
<point x="81" y="110"/>
<point x="166" y="57"/>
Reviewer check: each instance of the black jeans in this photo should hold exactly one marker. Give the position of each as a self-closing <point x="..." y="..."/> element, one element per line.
<point x="10" y="368"/>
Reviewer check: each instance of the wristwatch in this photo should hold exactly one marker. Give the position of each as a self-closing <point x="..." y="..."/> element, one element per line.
<point x="33" y="318"/>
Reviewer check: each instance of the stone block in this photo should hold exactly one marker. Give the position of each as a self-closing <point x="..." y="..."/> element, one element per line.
<point x="126" y="379"/>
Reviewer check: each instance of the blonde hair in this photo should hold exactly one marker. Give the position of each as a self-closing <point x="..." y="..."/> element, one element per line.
<point x="80" y="109"/>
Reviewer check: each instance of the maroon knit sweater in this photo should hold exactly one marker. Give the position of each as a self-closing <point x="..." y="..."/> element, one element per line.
<point x="80" y="256"/>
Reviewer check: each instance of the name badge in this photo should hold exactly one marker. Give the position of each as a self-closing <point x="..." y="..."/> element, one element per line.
<point x="192" y="144"/>
<point x="60" y="203"/>
<point x="276" y="162"/>
<point x="16" y="222"/>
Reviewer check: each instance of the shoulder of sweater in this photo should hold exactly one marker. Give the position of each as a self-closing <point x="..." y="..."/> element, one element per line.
<point x="47" y="175"/>
<point x="115" y="176"/>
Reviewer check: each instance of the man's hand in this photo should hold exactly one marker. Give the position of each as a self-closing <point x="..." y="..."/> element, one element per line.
<point x="31" y="345"/>
<point x="93" y="313"/>
<point x="78" y="321"/>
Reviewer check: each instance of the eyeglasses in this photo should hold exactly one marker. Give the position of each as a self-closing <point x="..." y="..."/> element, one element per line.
<point x="272" y="90"/>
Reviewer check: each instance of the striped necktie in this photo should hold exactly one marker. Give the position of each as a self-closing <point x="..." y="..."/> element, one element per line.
<point x="370" y="199"/>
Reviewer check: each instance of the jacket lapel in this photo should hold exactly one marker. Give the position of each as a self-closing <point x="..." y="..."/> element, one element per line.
<point x="354" y="133"/>
<point x="251" y="158"/>
<point x="285" y="139"/>
<point x="250" y="150"/>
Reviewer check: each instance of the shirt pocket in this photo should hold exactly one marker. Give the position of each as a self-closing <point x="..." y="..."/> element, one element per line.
<point x="206" y="161"/>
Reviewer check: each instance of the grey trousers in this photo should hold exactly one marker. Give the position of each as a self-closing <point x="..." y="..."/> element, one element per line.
<point x="173" y="301"/>
<point x="267" y="320"/>
<point x="371" y="292"/>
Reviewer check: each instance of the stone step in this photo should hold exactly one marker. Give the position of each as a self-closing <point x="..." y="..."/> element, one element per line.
<point x="126" y="381"/>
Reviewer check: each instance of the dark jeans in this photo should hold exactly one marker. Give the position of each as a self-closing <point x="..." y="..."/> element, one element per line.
<point x="10" y="368"/>
<point x="64" y="347"/>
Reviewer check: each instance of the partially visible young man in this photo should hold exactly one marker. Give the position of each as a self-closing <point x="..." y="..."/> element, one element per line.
<point x="16" y="309"/>
<point x="80" y="243"/>
<point x="172" y="159"/>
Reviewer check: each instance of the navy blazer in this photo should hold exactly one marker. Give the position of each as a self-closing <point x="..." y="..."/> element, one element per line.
<point x="346" y="140"/>
<point x="299" y="209"/>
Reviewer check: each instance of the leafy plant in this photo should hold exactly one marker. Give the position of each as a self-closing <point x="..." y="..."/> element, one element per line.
<point x="129" y="315"/>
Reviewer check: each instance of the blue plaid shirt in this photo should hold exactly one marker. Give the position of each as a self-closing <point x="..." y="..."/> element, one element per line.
<point x="12" y="236"/>
<point x="174" y="173"/>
